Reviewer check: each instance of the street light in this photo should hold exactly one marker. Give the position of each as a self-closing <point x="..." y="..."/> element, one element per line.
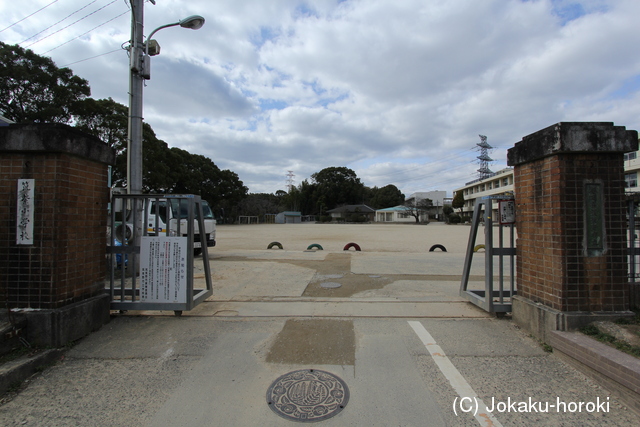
<point x="140" y="71"/>
<point x="193" y="22"/>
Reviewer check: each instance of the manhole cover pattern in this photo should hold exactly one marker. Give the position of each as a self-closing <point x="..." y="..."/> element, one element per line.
<point x="308" y="395"/>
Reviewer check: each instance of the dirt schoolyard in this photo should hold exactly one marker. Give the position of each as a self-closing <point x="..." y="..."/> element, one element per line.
<point x="375" y="237"/>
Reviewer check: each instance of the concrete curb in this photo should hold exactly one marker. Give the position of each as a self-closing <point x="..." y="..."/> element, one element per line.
<point x="20" y="369"/>
<point x="615" y="369"/>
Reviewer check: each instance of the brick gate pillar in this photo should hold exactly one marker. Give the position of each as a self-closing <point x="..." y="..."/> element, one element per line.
<point x="571" y="222"/>
<point x="52" y="246"/>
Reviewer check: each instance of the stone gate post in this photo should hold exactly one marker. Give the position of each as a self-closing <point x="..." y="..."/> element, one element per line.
<point x="571" y="222"/>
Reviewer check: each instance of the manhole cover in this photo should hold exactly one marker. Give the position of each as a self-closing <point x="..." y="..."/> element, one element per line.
<point x="330" y="285"/>
<point x="307" y="395"/>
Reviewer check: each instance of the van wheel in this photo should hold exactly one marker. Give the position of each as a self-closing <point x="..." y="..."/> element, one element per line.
<point x="197" y="251"/>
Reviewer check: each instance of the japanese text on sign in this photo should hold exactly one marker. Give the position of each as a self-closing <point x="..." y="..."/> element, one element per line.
<point x="507" y="209"/>
<point x="163" y="269"/>
<point x="24" y="226"/>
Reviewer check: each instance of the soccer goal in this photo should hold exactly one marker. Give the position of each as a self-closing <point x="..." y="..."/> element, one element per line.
<point x="247" y="219"/>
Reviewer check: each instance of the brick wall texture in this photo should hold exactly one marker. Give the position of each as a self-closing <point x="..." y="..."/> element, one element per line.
<point x="66" y="263"/>
<point x="552" y="264"/>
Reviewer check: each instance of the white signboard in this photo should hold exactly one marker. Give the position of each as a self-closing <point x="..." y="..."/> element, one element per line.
<point x="163" y="269"/>
<point x="507" y="209"/>
<point x="26" y="202"/>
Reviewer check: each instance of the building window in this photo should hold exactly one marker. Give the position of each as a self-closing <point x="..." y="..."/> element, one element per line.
<point x="631" y="180"/>
<point x="631" y="156"/>
<point x="496" y="184"/>
<point x="505" y="181"/>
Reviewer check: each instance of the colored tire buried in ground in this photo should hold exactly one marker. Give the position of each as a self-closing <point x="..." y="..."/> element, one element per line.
<point x="314" y="245"/>
<point x="351" y="245"/>
<point x="434" y="247"/>
<point x="478" y="247"/>
<point x="272" y="244"/>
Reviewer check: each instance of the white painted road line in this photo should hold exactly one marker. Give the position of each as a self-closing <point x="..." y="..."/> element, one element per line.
<point x="469" y="400"/>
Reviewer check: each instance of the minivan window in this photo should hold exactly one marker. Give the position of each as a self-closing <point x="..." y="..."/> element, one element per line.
<point x="162" y="210"/>
<point x="206" y="210"/>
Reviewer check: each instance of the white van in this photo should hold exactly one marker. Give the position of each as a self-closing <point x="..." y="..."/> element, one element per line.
<point x="157" y="220"/>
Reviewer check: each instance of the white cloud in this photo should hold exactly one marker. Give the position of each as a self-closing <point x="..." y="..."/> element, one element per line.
<point x="398" y="91"/>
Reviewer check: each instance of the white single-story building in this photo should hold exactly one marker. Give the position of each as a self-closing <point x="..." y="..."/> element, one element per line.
<point x="398" y="214"/>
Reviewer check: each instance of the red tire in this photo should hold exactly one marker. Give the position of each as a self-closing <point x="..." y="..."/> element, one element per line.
<point x="351" y="245"/>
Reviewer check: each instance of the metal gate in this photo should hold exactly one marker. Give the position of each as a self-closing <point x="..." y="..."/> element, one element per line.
<point x="492" y="299"/>
<point x="151" y="266"/>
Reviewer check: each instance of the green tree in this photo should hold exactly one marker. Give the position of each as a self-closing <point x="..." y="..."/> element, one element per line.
<point x="458" y="201"/>
<point x="337" y="186"/>
<point x="306" y="199"/>
<point x="197" y="174"/>
<point x="259" y="204"/>
<point x="385" y="197"/>
<point x="107" y="120"/>
<point x="158" y="163"/>
<point x="34" y="90"/>
<point x="104" y="118"/>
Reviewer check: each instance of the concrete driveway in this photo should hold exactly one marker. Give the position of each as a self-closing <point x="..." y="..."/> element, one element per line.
<point x="373" y="338"/>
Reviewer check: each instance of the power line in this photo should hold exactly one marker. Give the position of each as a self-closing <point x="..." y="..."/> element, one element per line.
<point x="87" y="32"/>
<point x="28" y="16"/>
<point x="93" y="57"/>
<point x="53" y="25"/>
<point x="425" y="176"/>
<point x="414" y="168"/>
<point x="458" y="155"/>
<point x="73" y="23"/>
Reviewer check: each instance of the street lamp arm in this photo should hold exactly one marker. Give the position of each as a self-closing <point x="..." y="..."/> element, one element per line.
<point x="160" y="28"/>
<point x="194" y="22"/>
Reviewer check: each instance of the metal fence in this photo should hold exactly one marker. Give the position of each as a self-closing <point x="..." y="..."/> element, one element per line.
<point x="501" y="300"/>
<point x="495" y="297"/>
<point x="151" y="252"/>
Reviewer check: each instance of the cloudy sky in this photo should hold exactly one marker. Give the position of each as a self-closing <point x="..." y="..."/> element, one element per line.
<point x="397" y="90"/>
